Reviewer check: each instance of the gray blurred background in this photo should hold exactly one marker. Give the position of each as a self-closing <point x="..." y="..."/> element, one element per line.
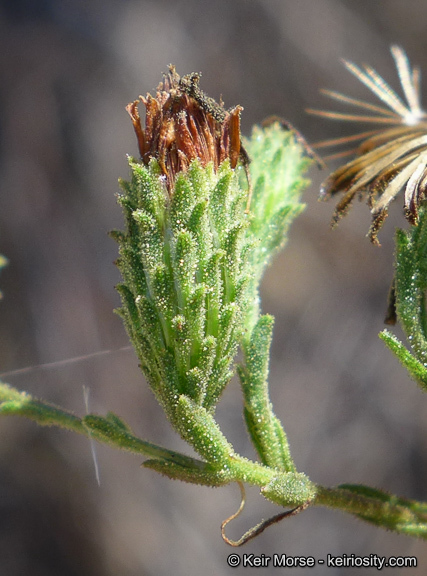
<point x="67" y="70"/>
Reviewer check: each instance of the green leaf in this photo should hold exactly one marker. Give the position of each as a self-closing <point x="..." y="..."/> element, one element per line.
<point x="198" y="427"/>
<point x="416" y="370"/>
<point x="265" y="430"/>
<point x="410" y="286"/>
<point x="208" y="476"/>
<point x="117" y="421"/>
<point x="411" y="249"/>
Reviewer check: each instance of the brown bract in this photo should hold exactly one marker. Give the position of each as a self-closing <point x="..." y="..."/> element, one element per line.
<point x="182" y="124"/>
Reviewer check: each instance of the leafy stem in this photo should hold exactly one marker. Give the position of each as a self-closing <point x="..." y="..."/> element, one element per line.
<point x="287" y="489"/>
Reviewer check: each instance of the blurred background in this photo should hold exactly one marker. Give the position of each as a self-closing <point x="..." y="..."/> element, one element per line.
<point x="67" y="70"/>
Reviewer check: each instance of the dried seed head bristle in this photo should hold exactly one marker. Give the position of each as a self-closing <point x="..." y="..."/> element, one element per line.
<point x="392" y="157"/>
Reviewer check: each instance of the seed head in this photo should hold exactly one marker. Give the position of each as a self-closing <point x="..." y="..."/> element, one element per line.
<point x="390" y="158"/>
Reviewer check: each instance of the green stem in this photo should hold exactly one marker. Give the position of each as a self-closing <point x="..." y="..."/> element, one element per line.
<point x="250" y="472"/>
<point x="376" y="507"/>
<point x="284" y="488"/>
<point x="109" y="430"/>
<point x="15" y="403"/>
<point x="106" y="431"/>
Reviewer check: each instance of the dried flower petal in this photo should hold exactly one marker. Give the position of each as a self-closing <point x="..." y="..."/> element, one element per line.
<point x="183" y="124"/>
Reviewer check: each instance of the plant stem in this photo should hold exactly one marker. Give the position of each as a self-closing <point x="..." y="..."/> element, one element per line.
<point x="103" y="429"/>
<point x="376" y="507"/>
<point x="284" y="488"/>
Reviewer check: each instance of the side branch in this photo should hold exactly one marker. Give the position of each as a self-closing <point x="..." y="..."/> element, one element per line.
<point x="376" y="507"/>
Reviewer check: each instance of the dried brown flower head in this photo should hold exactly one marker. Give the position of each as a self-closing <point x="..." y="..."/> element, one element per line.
<point x="389" y="159"/>
<point x="182" y="124"/>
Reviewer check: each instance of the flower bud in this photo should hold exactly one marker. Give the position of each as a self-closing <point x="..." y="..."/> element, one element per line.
<point x="185" y="253"/>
